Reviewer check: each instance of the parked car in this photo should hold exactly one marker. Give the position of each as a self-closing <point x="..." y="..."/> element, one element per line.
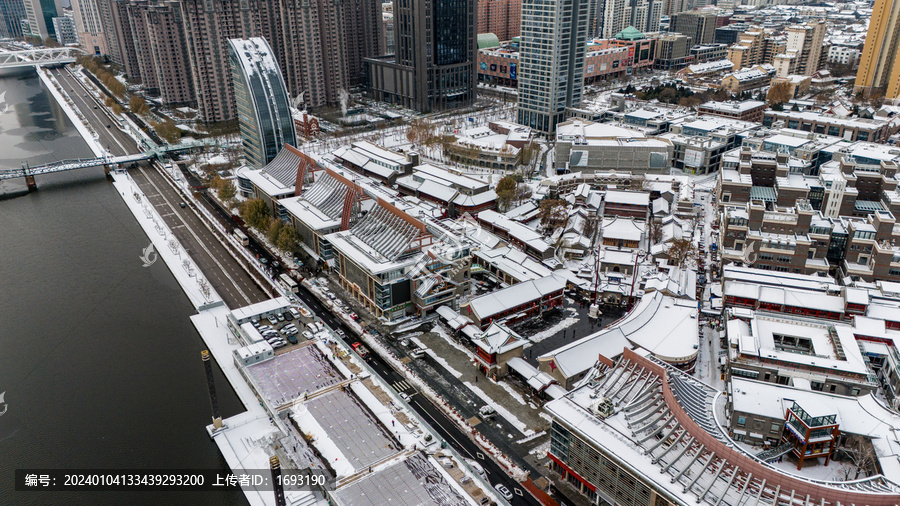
<point x="288" y="316"/>
<point x="280" y="317"/>
<point x="504" y="491"/>
<point x="292" y="338"/>
<point x="312" y="327"/>
<point x="295" y="313"/>
<point x="307" y="334"/>
<point x="273" y="320"/>
<point x="320" y="326"/>
<point x="354" y="316"/>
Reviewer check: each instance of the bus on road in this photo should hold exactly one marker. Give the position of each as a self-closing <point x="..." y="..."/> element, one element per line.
<point x="242" y="237"/>
<point x="289" y="283"/>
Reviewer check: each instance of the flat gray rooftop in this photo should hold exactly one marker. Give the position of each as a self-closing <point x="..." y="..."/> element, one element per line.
<point x="412" y="481"/>
<point x="352" y="428"/>
<point x="288" y="376"/>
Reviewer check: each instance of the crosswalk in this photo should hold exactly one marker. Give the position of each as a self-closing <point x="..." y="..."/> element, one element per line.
<point x="401" y="386"/>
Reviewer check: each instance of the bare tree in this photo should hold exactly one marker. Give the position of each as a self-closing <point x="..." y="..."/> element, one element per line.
<point x="654" y="230"/>
<point x="681" y="251"/>
<point x="859" y="451"/>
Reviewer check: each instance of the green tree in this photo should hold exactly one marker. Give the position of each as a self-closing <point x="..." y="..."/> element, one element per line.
<point x="275" y="228"/>
<point x="255" y="213"/>
<point x="288" y="240"/>
<point x="138" y="105"/>
<point x="227" y="190"/>
<point x="506" y="190"/>
<point x="167" y="130"/>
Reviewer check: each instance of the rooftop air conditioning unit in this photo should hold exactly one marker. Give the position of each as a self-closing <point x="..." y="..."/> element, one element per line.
<point x="604" y="408"/>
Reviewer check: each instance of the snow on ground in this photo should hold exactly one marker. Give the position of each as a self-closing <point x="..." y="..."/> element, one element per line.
<point x="552" y="331"/>
<point x="74" y="116"/>
<point x="515" y="471"/>
<point x="505" y="413"/>
<point x="540" y="449"/>
<point x="545" y="416"/>
<point x="511" y="391"/>
<point x="165" y="245"/>
<point x="531" y="437"/>
<point x="439" y="330"/>
<point x="336" y="362"/>
<point x="383" y="413"/>
<point x="435" y="357"/>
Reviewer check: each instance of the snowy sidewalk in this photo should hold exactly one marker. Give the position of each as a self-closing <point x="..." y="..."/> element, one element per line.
<point x="459" y="361"/>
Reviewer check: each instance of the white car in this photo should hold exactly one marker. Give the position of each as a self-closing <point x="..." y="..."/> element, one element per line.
<point x="295" y="314"/>
<point x="273" y="320"/>
<point x="307" y="334"/>
<point x="320" y="326"/>
<point x="504" y="491"/>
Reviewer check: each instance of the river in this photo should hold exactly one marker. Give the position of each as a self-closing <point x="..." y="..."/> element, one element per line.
<point x="99" y="362"/>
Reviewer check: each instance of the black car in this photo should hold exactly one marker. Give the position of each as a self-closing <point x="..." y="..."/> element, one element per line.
<point x="287" y="316"/>
<point x="108" y="126"/>
<point x="292" y="339"/>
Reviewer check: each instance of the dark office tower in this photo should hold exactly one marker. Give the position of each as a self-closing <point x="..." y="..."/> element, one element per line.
<point x="40" y="14"/>
<point x="208" y="26"/>
<point x="551" y="61"/>
<point x="699" y="26"/>
<point x="12" y="12"/>
<point x="433" y="65"/>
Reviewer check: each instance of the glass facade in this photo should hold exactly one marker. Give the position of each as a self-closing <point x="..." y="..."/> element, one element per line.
<point x="262" y="101"/>
<point x="450" y="32"/>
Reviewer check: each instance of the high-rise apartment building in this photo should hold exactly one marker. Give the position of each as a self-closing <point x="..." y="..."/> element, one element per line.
<point x="435" y="52"/>
<point x="313" y="53"/>
<point x="364" y="35"/>
<point x="108" y="27"/>
<point x="262" y="100"/>
<point x="162" y="51"/>
<point x="89" y="26"/>
<point x="64" y="27"/>
<point x="879" y="67"/>
<point x="136" y="10"/>
<point x="803" y="51"/>
<point x="40" y="14"/>
<point x="551" y="59"/>
<point x="12" y="12"/>
<point x="500" y="17"/>
<point x="699" y="26"/>
<point x="607" y="17"/>
<point x="754" y="47"/>
<point x="207" y="33"/>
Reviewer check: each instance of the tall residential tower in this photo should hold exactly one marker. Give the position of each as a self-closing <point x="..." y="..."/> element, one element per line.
<point x="551" y="61"/>
<point x="880" y="63"/>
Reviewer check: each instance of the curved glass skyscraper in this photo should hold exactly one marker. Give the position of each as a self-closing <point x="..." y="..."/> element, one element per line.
<point x="263" y="104"/>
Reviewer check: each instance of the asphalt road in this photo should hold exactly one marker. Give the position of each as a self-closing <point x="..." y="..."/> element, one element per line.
<point x="230" y="280"/>
<point x="447" y="429"/>
<point x="112" y="138"/>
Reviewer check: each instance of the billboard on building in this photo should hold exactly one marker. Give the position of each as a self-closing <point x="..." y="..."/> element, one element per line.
<point x="693" y="158"/>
